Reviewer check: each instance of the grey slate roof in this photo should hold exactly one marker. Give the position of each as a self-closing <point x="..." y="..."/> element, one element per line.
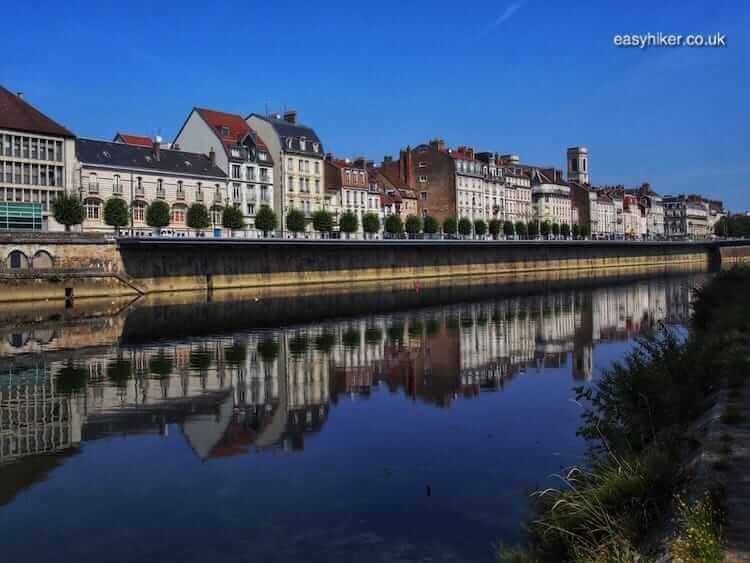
<point x="121" y="155"/>
<point x="284" y="130"/>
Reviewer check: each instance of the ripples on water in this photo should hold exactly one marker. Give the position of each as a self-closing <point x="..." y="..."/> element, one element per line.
<point x="236" y="430"/>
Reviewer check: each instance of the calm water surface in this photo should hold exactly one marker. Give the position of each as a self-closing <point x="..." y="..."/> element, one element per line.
<point x="400" y="427"/>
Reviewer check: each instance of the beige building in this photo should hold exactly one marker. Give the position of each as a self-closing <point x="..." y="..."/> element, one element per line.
<point x="37" y="162"/>
<point x="298" y="163"/>
<point x="551" y="197"/>
<point x="140" y="175"/>
<point x="517" y="203"/>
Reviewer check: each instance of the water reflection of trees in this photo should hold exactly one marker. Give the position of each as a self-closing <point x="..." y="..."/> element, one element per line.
<point x="271" y="389"/>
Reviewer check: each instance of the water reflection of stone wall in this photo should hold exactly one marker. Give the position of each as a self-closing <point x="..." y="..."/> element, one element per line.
<point x="259" y="390"/>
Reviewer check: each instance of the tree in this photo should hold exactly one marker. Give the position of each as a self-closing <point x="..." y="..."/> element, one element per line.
<point x="464" y="226"/>
<point x="555" y="229"/>
<point x="67" y="210"/>
<point x="348" y="222"/>
<point x="545" y="229"/>
<point x="494" y="228"/>
<point x="394" y="225"/>
<point x="370" y="223"/>
<point x="322" y="221"/>
<point x="565" y="230"/>
<point x="197" y="216"/>
<point x="295" y="221"/>
<point x="431" y="225"/>
<point x="480" y="227"/>
<point x="533" y="229"/>
<point x="450" y="226"/>
<point x="508" y="229"/>
<point x="265" y="220"/>
<point x="116" y="213"/>
<point x="521" y="229"/>
<point x="585" y="230"/>
<point x="232" y="218"/>
<point x="157" y="214"/>
<point x="413" y="225"/>
<point x="576" y="231"/>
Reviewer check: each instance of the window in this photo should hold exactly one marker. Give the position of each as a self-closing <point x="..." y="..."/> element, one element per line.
<point x="199" y="192"/>
<point x="236" y="192"/>
<point x="290" y="163"/>
<point x="178" y="215"/>
<point x="423" y="195"/>
<point x="263" y="174"/>
<point x="116" y="185"/>
<point x="262" y="155"/>
<point x="225" y="131"/>
<point x="159" y="188"/>
<point x="180" y="190"/>
<point x="236" y="171"/>
<point x="216" y="213"/>
<point x="26" y="147"/>
<point x="423" y="179"/>
<point x="92" y="208"/>
<point x="301" y="166"/>
<point x="317" y="167"/>
<point x="139" y="208"/>
<point x="302" y="144"/>
<point x="317" y="186"/>
<point x="316" y="148"/>
<point x="139" y="185"/>
<point x="290" y="183"/>
<point x="250" y="173"/>
<point x="422" y="164"/>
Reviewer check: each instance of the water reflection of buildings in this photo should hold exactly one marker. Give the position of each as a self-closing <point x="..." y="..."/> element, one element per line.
<point x="267" y="390"/>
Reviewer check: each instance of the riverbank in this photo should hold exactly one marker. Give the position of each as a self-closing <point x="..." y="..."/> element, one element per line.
<point x="667" y="473"/>
<point x="39" y="269"/>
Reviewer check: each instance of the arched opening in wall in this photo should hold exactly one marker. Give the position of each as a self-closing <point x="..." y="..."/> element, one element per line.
<point x="17" y="260"/>
<point x="17" y="340"/>
<point x="42" y="260"/>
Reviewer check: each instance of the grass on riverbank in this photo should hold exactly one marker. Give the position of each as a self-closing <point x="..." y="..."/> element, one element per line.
<point x="637" y="424"/>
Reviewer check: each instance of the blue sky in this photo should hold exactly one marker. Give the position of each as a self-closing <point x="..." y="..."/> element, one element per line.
<point x="530" y="77"/>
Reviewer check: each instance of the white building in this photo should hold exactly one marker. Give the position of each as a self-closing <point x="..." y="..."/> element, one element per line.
<point x="140" y="175"/>
<point x="37" y="162"/>
<point x="298" y="162"/>
<point x="470" y="185"/>
<point x="551" y="197"/>
<point x="240" y="152"/>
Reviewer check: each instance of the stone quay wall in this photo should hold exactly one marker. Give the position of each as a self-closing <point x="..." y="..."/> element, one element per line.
<point x="78" y="266"/>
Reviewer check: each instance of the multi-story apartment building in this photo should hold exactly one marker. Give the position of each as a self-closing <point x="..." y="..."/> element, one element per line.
<point x="430" y="171"/>
<point x="633" y="217"/>
<point x="140" y="175"/>
<point x="350" y="180"/>
<point x="298" y="162"/>
<point x="494" y="186"/>
<point x="470" y="184"/>
<point x="653" y="208"/>
<point x="517" y="203"/>
<point x="686" y="216"/>
<point x="395" y="179"/>
<point x="551" y="196"/>
<point x="240" y="152"/>
<point x="37" y="162"/>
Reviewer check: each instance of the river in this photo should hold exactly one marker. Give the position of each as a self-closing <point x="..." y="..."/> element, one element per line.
<point x="404" y="424"/>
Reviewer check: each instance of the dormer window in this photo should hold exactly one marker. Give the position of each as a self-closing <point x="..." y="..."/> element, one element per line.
<point x="262" y="156"/>
<point x="302" y="143"/>
<point x="289" y="142"/>
<point x="225" y="131"/>
<point x="316" y="147"/>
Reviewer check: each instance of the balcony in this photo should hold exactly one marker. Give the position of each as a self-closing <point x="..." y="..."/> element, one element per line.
<point x="217" y="197"/>
<point x="180" y="196"/>
<point x="93" y="187"/>
<point x="160" y="194"/>
<point x="198" y="196"/>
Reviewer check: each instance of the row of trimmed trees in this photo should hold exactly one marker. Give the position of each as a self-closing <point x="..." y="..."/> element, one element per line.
<point x="68" y="210"/>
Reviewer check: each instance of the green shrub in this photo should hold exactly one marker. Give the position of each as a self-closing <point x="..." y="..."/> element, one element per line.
<point x="67" y="210"/>
<point x="265" y="220"/>
<point x="158" y="214"/>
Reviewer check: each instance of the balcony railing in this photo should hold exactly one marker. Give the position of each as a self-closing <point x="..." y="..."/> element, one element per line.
<point x="198" y="196"/>
<point x="93" y="187"/>
<point x="160" y="193"/>
<point x="180" y="195"/>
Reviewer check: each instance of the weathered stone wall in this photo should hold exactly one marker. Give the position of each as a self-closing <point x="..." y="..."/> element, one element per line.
<point x="93" y="266"/>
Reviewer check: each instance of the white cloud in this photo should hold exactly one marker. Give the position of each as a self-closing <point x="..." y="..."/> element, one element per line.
<point x="507" y="13"/>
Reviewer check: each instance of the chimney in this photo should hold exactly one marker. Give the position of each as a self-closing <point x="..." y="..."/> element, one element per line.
<point x="359" y="162"/>
<point x="212" y="156"/>
<point x="438" y="144"/>
<point x="329" y="157"/>
<point x="290" y="117"/>
<point x="20" y="95"/>
<point x="409" y="168"/>
<point x="387" y="158"/>
<point x="156" y="149"/>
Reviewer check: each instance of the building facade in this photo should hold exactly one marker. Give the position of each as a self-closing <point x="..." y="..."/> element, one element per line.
<point x="551" y="197"/>
<point x="240" y="153"/>
<point x="298" y="163"/>
<point x="686" y="216"/>
<point x="470" y="174"/>
<point x="140" y="176"/>
<point x="37" y="162"/>
<point x="350" y="182"/>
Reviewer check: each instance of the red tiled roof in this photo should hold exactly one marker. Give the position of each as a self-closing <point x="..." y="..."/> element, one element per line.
<point x="16" y="113"/>
<point x="138" y="140"/>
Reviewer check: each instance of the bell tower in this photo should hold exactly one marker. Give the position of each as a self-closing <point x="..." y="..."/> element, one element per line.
<point x="578" y="165"/>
